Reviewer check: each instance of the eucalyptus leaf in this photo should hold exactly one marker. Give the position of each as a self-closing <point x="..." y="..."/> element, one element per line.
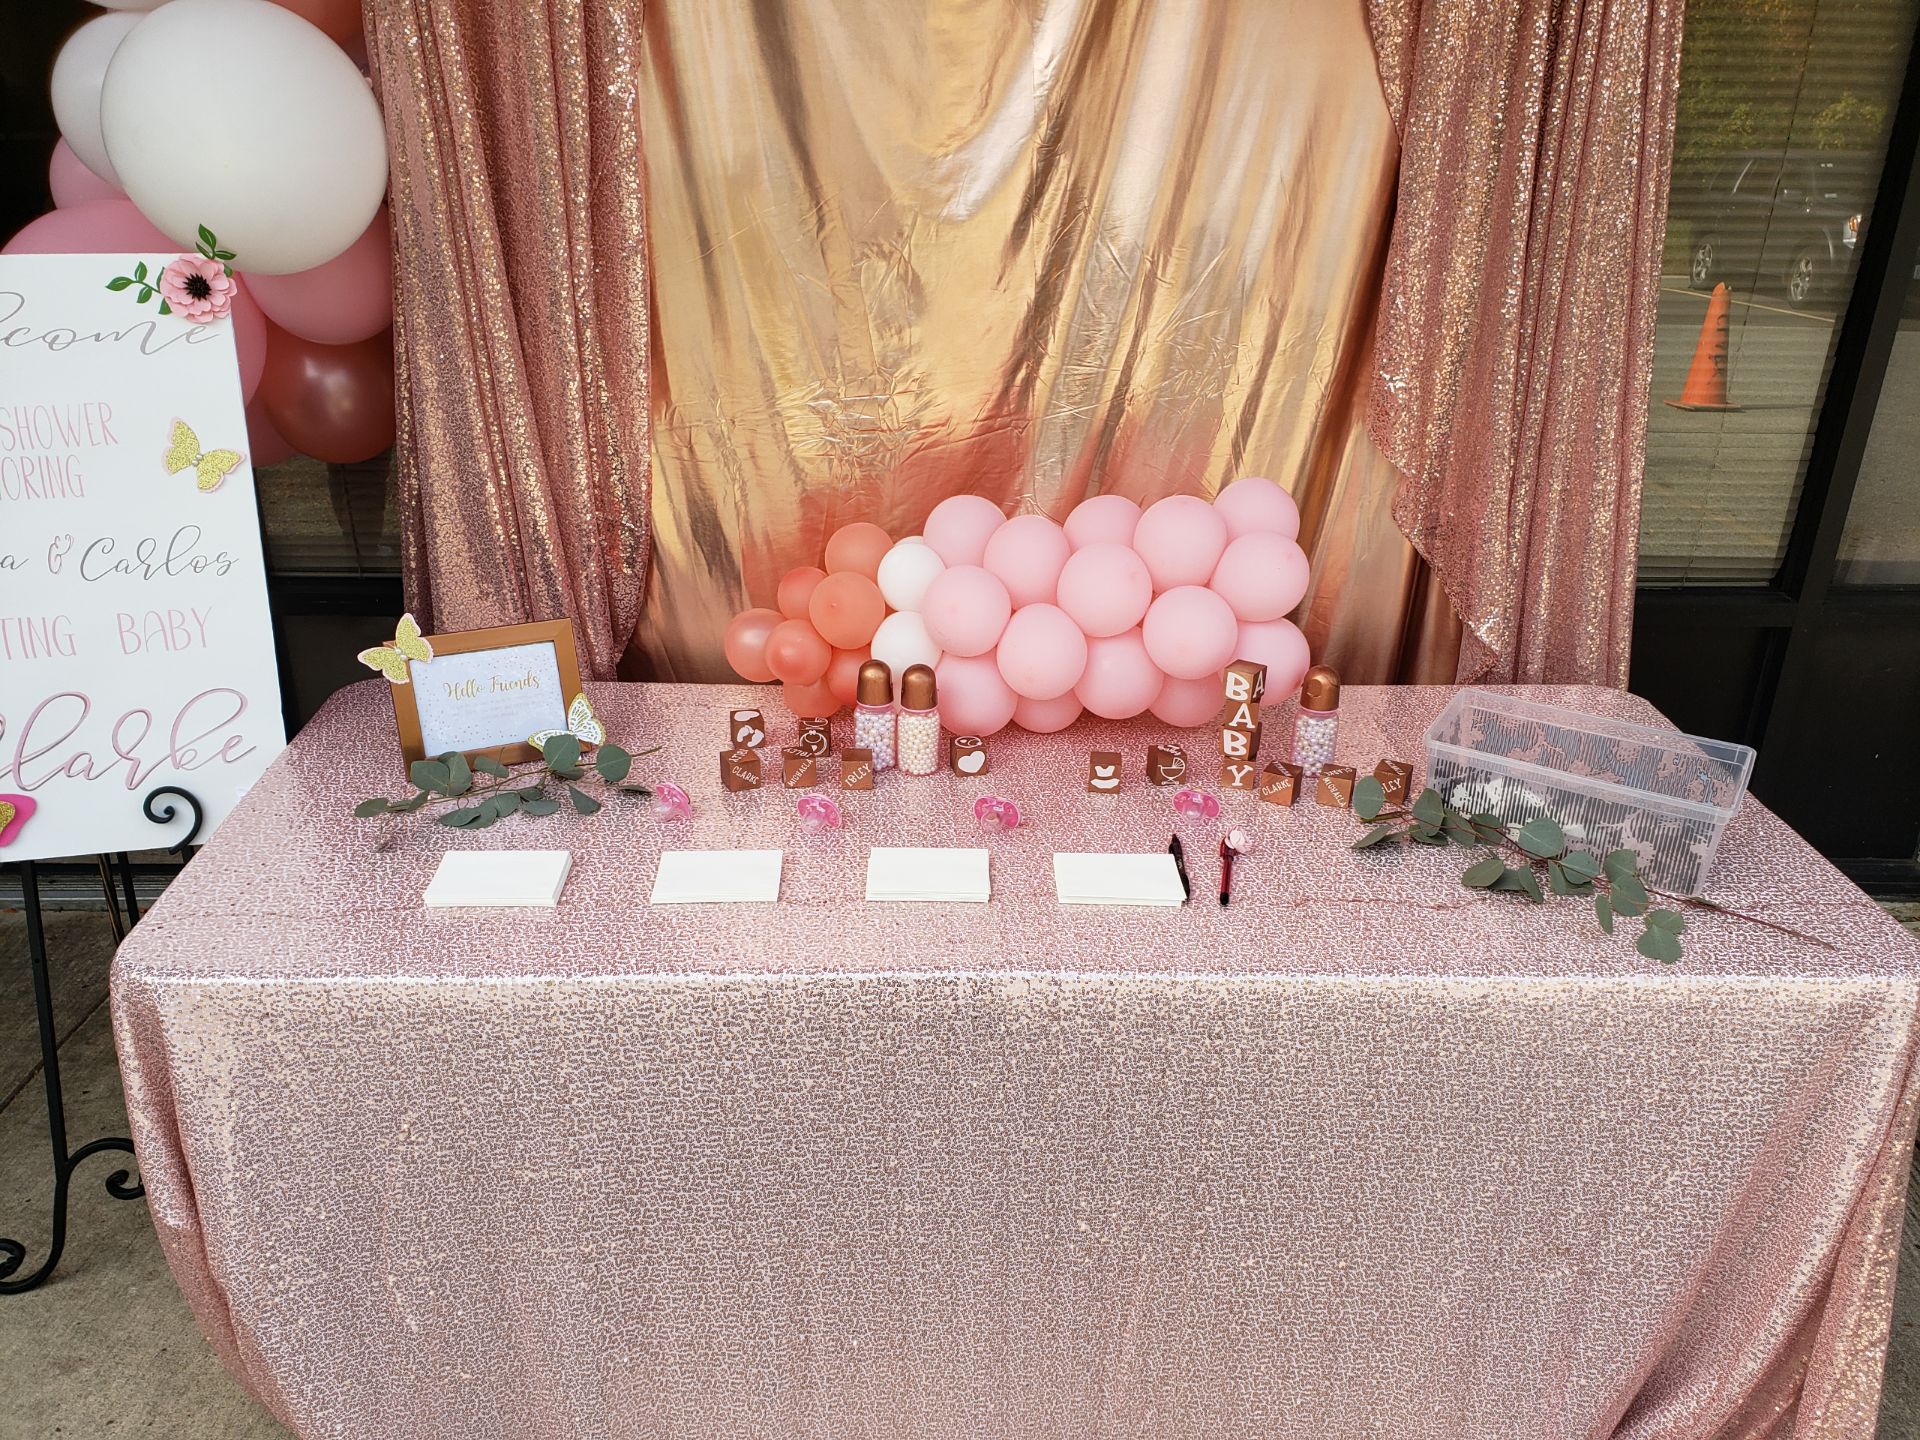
<point x="1521" y="879"/>
<point x="1482" y="873"/>
<point x="1375" y="836"/>
<point x="1620" y="863"/>
<point x="411" y="803"/>
<point x="1581" y="864"/>
<point x="583" y="803"/>
<point x="461" y="819"/>
<point x="1369" y="797"/>
<point x="1659" y="944"/>
<point x="1630" y="896"/>
<point x="561" y="752"/>
<point x="1541" y="838"/>
<point x="539" y="807"/>
<point x="378" y="805"/>
<point x="1603" y="912"/>
<point x="487" y="765"/>
<point x="530" y="792"/>
<point x="1668" y="920"/>
<point x="429" y="775"/>
<point x="612" y="762"/>
<point x="1557" y="879"/>
<point x="565" y="772"/>
<point x="483" y="820"/>
<point x="1459" y="831"/>
<point x="1426" y="835"/>
<point x="1487" y="827"/>
<point x="1428" y="808"/>
<point x="459" y="775"/>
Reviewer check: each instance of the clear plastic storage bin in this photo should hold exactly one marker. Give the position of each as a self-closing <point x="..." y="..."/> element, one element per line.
<point x="1609" y="783"/>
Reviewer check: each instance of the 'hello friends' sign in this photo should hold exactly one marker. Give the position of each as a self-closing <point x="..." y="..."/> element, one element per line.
<point x="135" y="645"/>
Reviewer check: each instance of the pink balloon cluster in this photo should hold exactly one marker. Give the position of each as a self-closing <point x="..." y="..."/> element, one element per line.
<point x="1119" y="611"/>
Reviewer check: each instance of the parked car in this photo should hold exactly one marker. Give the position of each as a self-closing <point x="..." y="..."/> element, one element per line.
<point x="1781" y="222"/>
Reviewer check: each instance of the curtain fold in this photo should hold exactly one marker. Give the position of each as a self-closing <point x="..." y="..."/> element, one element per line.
<point x="520" y="312"/>
<point x="1515" y="341"/>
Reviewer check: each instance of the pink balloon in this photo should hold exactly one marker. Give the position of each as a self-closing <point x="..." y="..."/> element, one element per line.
<point x="1180" y="538"/>
<point x="1105" y="587"/>
<point x="1187" y="703"/>
<point x="1253" y="503"/>
<point x="1190" y="632"/>
<point x="117" y="226"/>
<point x="1120" y="679"/>
<point x="745" y="643"/>
<point x="1103" y="520"/>
<point x="966" y="610"/>
<point x="974" y="700"/>
<point x="796" y="654"/>
<point x="265" y="444"/>
<point x="1261" y="575"/>
<point x="73" y="183"/>
<point x="1041" y="653"/>
<point x="347" y="299"/>
<point x="1278" y="645"/>
<point x="958" y="528"/>
<point x="1027" y="553"/>
<point x="1044" y="717"/>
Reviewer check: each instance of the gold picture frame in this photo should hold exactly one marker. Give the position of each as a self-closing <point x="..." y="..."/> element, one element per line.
<point x="508" y="751"/>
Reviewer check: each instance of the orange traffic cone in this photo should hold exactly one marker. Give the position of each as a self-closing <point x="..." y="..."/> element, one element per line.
<point x="1706" y="387"/>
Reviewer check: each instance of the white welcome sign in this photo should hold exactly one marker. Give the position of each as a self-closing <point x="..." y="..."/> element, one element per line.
<point x="135" y="645"/>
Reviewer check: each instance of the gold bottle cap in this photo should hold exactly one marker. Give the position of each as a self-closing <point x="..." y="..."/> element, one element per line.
<point x="1321" y="689"/>
<point x="876" y="684"/>
<point x="916" y="688"/>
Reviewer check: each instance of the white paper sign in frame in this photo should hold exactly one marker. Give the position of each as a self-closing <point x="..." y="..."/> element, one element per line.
<point x="136" y="648"/>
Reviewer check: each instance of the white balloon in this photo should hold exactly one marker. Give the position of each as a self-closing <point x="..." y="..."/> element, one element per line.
<point x="291" y="168"/>
<point x="906" y="571"/>
<point x="902" y="640"/>
<point x="78" y="71"/>
<point x="128" y="4"/>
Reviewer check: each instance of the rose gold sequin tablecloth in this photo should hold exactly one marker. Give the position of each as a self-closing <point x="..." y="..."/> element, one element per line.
<point x="1362" y="1155"/>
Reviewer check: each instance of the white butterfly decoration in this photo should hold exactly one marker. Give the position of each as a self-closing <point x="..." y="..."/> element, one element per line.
<point x="582" y="724"/>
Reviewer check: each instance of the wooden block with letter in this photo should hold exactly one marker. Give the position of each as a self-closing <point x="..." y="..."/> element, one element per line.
<point x="1242" y="715"/>
<point x="740" y="769"/>
<point x="1238" y="744"/>
<point x="856" y="769"/>
<point x="1239" y="775"/>
<point x="967" y="754"/>
<point x="1396" y="779"/>
<point x="1280" y="783"/>
<point x="1335" y="787"/>
<point x="816" y="735"/>
<point x="799" y="768"/>
<point x="1245" y="680"/>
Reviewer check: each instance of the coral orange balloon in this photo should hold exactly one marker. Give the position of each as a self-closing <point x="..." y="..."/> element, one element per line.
<point x="746" y="643"/>
<point x="843" y="673"/>
<point x="846" y="609"/>
<point x="796" y="589"/>
<point x="859" y="548"/>
<point x="809" y="701"/>
<point x="796" y="653"/>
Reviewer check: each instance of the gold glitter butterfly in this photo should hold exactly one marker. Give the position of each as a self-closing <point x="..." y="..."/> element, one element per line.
<point x="391" y="660"/>
<point x="210" y="468"/>
<point x="582" y="724"/>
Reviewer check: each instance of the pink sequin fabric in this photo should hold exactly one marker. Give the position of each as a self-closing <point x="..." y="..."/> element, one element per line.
<point x="1365" y="1154"/>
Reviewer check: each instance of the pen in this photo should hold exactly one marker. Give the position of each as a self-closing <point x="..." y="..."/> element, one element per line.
<point x="1227" y="852"/>
<point x="1180" y="865"/>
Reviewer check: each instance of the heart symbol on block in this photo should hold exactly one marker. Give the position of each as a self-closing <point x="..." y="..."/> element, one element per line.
<point x="15" y="811"/>
<point x="971" y="762"/>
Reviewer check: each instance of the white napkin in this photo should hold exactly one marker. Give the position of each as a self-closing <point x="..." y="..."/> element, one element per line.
<point x="706" y="877"/>
<point x="915" y="872"/>
<point x="1129" y="878"/>
<point x="499" y="877"/>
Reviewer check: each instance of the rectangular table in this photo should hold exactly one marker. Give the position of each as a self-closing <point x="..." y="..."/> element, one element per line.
<point x="1365" y="1154"/>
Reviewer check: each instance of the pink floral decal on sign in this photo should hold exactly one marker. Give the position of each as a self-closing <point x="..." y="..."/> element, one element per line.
<point x="197" y="289"/>
<point x="15" y="811"/>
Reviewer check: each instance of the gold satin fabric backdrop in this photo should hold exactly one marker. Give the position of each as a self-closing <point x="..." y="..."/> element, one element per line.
<point x="1037" y="249"/>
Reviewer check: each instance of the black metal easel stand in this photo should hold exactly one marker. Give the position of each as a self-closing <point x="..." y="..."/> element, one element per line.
<point x="120" y="1184"/>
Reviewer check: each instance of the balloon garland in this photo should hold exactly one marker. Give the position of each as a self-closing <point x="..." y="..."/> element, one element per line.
<point x="1118" y="612"/>
<point x="278" y="195"/>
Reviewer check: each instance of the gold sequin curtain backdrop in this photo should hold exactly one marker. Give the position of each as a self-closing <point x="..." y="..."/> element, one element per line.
<point x="520" y="314"/>
<point x="1515" y="346"/>
<point x="907" y="248"/>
